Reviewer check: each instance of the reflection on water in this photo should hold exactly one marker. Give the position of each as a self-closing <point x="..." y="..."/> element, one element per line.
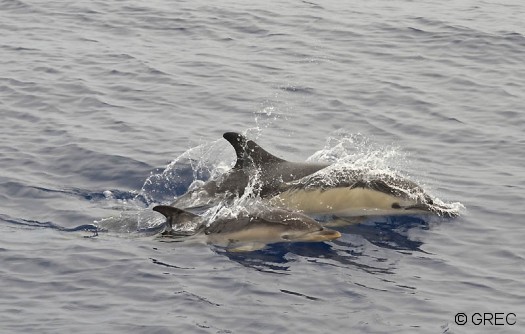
<point x="381" y="232"/>
<point x="389" y="232"/>
<point x="358" y="247"/>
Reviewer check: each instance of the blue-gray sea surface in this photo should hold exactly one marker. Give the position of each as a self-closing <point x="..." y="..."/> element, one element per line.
<point x="110" y="107"/>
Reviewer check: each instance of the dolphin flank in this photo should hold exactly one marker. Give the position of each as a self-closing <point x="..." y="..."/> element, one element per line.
<point x="343" y="191"/>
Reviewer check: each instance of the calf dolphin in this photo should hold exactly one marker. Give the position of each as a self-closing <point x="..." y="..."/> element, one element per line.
<point x="315" y="188"/>
<point x="251" y="231"/>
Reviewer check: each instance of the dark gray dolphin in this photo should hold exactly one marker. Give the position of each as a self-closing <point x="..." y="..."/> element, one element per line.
<point x="313" y="188"/>
<point x="251" y="231"/>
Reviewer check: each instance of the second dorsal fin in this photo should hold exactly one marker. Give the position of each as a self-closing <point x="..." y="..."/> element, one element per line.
<point x="174" y="216"/>
<point x="248" y="152"/>
<point x="173" y="212"/>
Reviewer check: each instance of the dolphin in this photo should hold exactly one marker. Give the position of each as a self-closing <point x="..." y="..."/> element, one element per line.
<point x="313" y="188"/>
<point x="250" y="231"/>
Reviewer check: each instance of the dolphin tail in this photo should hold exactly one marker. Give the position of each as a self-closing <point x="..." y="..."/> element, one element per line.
<point x="172" y="215"/>
<point x="248" y="152"/>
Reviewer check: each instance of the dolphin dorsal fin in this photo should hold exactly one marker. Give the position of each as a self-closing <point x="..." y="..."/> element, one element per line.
<point x="171" y="212"/>
<point x="248" y="152"/>
<point x="173" y="216"/>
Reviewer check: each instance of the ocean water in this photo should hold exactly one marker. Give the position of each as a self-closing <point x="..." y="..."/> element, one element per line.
<point x="110" y="107"/>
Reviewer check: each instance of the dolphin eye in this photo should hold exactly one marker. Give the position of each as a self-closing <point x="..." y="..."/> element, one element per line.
<point x="285" y="237"/>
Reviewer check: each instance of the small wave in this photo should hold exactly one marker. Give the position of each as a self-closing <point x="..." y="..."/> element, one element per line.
<point x="141" y="222"/>
<point x="13" y="5"/>
<point x="92" y="195"/>
<point x="38" y="224"/>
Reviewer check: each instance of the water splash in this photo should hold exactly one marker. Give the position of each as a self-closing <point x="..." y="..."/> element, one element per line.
<point x="250" y="200"/>
<point x="347" y="152"/>
<point x="188" y="170"/>
<point x="268" y="115"/>
<point x="360" y="152"/>
<point x="209" y="161"/>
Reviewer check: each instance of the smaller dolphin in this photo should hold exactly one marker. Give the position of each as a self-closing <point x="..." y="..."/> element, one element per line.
<point x="251" y="231"/>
